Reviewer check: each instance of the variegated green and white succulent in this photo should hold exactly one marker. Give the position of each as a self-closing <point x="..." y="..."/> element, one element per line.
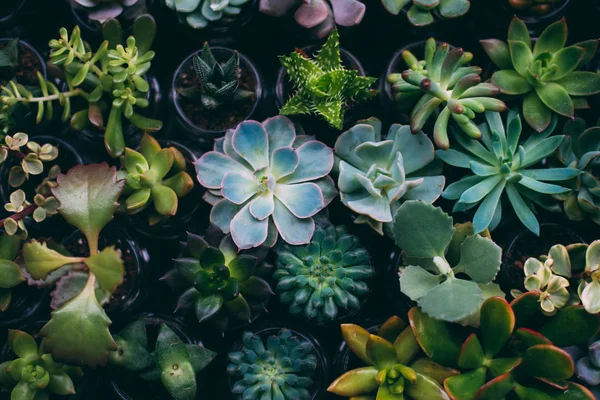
<point x="31" y="156"/>
<point x="264" y="181"/>
<point x="199" y="14"/>
<point x="376" y="175"/>
<point x="589" y="287"/>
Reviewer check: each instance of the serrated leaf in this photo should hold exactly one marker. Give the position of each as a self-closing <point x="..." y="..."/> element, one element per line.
<point x="41" y="260"/>
<point x="453" y="300"/>
<point x="480" y="259"/>
<point x="108" y="268"/>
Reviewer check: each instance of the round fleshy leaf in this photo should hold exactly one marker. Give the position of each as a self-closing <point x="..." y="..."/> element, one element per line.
<point x="315" y="160"/>
<point x="453" y="300"/>
<point x="238" y="188"/>
<point x="284" y="161"/>
<point x="355" y="383"/>
<point x="590" y="297"/>
<point x="425" y="388"/>
<point x="303" y="200"/>
<point x="416" y="282"/>
<point x="480" y="258"/>
<point x="497" y="324"/>
<point x="465" y="386"/>
<point x="10" y="274"/>
<point x="212" y="167"/>
<point x="242" y="267"/>
<point x="223" y="213"/>
<point x="406" y="346"/>
<point x="435" y="338"/>
<point x="571" y="326"/>
<point x="510" y="82"/>
<point x="471" y="354"/>
<point x="548" y="362"/>
<point x="262" y="206"/>
<point x="251" y="143"/>
<point x="497" y="388"/>
<point x="165" y="200"/>
<point x="292" y="229"/>
<point x="281" y="132"/>
<point x="248" y="232"/>
<point x="21" y="343"/>
<point x="525" y="307"/>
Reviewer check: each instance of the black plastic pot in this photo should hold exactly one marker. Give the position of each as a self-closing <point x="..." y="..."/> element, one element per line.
<point x="28" y="303"/>
<point x="400" y="303"/>
<point x="14" y="15"/>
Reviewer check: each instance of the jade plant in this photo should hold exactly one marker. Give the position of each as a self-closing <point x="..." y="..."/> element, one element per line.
<point x="546" y="74"/>
<point x="264" y="181"/>
<point x="172" y="362"/>
<point x="437" y="259"/>
<point x="77" y="332"/>
<point x="322" y="85"/>
<point x="30" y="154"/>
<point x="441" y="86"/>
<point x="320" y="16"/>
<point x="199" y="14"/>
<point x="34" y="374"/>
<point x="102" y="10"/>
<point x="281" y="366"/>
<point x="422" y="12"/>
<point x="154" y="177"/>
<point x="504" y="166"/>
<point x="376" y="176"/>
<point x="221" y="285"/>
<point x="393" y="371"/>
<point x="537" y="7"/>
<point x="324" y="278"/>
<point x="11" y="274"/>
<point x="111" y="80"/>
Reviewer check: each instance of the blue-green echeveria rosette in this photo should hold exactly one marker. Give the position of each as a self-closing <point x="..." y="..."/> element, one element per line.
<point x="199" y="14"/>
<point x="376" y="176"/>
<point x="263" y="181"/>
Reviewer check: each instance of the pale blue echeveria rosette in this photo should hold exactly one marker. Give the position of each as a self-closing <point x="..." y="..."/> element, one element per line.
<point x="264" y="180"/>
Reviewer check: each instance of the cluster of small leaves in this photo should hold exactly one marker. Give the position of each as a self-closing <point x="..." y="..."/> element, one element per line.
<point x="422" y="12"/>
<point x="102" y="10"/>
<point x="42" y="208"/>
<point x="322" y="85"/>
<point x="199" y="14"/>
<point x="11" y="274"/>
<point x="282" y="368"/>
<point x="31" y="158"/>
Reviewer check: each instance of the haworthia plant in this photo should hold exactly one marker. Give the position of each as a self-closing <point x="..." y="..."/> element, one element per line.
<point x="199" y="14"/>
<point x="422" y="12"/>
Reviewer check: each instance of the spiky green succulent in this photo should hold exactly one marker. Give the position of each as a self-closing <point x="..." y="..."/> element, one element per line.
<point x="546" y="73"/>
<point x="322" y="85"/>
<point x="376" y="175"/>
<point x="504" y="166"/>
<point x="441" y="86"/>
<point x="422" y="12"/>
<point x="199" y="14"/>
<point x="282" y="367"/>
<point x="325" y="277"/>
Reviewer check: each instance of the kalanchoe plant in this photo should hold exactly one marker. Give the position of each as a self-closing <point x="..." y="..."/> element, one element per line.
<point x="324" y="278"/>
<point x="199" y="14"/>
<point x="154" y="177"/>
<point x="44" y="206"/>
<point x="34" y="374"/>
<point x="225" y="285"/>
<point x="393" y="372"/>
<point x="437" y="256"/>
<point x="538" y="7"/>
<point x="102" y="10"/>
<point x="264" y="181"/>
<point x="320" y="16"/>
<point x="441" y="86"/>
<point x="11" y="274"/>
<point x="282" y="367"/>
<point x="31" y="156"/>
<point x="172" y="362"/>
<point x="504" y="166"/>
<point x="376" y="175"/>
<point x="322" y="85"/>
<point x="422" y="12"/>
<point x="547" y="74"/>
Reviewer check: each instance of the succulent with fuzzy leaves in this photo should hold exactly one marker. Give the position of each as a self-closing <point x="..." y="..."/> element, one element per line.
<point x="32" y="158"/>
<point x="503" y="166"/>
<point x="443" y="86"/>
<point x="392" y="370"/>
<point x="326" y="276"/>
<point x="174" y="363"/>
<point x="102" y="10"/>
<point x="547" y="74"/>
<point x="422" y="12"/>
<point x="376" y="175"/>
<point x="280" y="368"/>
<point x="264" y="181"/>
<point x="34" y="373"/>
<point x="199" y="14"/>
<point x="322" y="85"/>
<point x="320" y="16"/>
<point x="11" y="274"/>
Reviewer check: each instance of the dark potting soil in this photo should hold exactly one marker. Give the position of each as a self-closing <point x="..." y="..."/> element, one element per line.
<point x="25" y="72"/>
<point x="224" y="117"/>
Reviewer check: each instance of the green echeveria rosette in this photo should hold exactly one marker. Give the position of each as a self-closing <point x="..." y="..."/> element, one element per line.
<point x="423" y="12"/>
<point x="281" y="366"/>
<point x="546" y="74"/>
<point x="200" y="14"/>
<point x="326" y="278"/>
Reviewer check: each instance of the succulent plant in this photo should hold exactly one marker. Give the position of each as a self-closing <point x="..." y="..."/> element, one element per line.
<point x="376" y="175"/>
<point x="156" y="177"/>
<point x="279" y="367"/>
<point x="11" y="274"/>
<point x="587" y="368"/>
<point x="102" y="10"/>
<point x="32" y="158"/>
<point x="503" y="166"/>
<point x="443" y="85"/>
<point x="9" y="54"/>
<point x="589" y="286"/>
<point x="392" y="372"/>
<point x="538" y="7"/>
<point x="437" y="256"/>
<point x="198" y="14"/>
<point x="324" y="277"/>
<point x="34" y="373"/>
<point x="263" y="181"/>
<point x="320" y="16"/>
<point x="580" y="149"/>
<point x="20" y="207"/>
<point x="322" y="85"/>
<point x="546" y="74"/>
<point x="422" y="12"/>
<point x="223" y="281"/>
<point x="172" y="362"/>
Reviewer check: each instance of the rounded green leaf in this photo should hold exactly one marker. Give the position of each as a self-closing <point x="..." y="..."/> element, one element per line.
<point x="480" y="258"/>
<point x="471" y="354"/>
<point x="435" y="338"/>
<point x="465" y="386"/>
<point x="381" y="352"/>
<point x="510" y="82"/>
<point x="165" y="200"/>
<point x="21" y="343"/>
<point x="497" y="324"/>
<point x="581" y="83"/>
<point x="571" y="326"/>
<point x="537" y="115"/>
<point x="355" y="383"/>
<point x="425" y="388"/>
<point x="356" y="338"/>
<point x="548" y="362"/>
<point x="208" y="306"/>
<point x="453" y="300"/>
<point x="556" y="98"/>
<point x="497" y="388"/>
<point x="108" y="268"/>
<point x="406" y="346"/>
<point x="416" y="282"/>
<point x="10" y="274"/>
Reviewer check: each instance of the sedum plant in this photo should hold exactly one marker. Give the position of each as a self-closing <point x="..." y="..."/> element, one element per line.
<point x="322" y="85"/>
<point x="173" y="363"/>
<point x="392" y="371"/>
<point x="32" y="157"/>
<point x="502" y="165"/>
<point x="324" y="278"/>
<point x="34" y="374"/>
<point x="264" y="181"/>
<point x="438" y="256"/>
<point x="546" y="74"/>
<point x="154" y="177"/>
<point x="422" y="12"/>
<point x="199" y="14"/>
<point x="44" y="205"/>
<point x="11" y="274"/>
<point x="442" y="86"/>
<point x="376" y="176"/>
<point x="282" y="367"/>
<point x="320" y="16"/>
